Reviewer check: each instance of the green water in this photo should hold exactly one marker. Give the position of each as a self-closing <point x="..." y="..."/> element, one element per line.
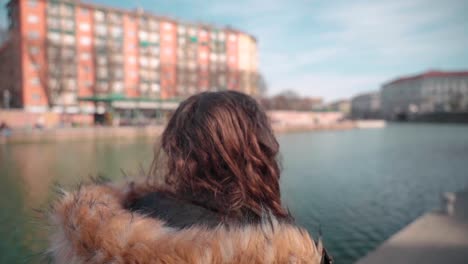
<point x="360" y="186"/>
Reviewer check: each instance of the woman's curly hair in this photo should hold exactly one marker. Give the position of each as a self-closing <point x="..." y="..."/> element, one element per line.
<point x="220" y="152"/>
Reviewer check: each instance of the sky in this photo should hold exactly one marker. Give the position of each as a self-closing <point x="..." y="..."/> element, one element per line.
<point x="335" y="48"/>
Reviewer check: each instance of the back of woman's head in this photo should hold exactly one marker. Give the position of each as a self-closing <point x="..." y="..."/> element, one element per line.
<point x="220" y="150"/>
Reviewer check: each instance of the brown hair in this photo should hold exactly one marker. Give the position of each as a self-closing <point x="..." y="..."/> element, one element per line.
<point x="220" y="151"/>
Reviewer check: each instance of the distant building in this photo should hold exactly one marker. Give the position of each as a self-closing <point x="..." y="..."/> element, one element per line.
<point x="366" y="106"/>
<point x="69" y="56"/>
<point x="426" y="93"/>
<point x="343" y="106"/>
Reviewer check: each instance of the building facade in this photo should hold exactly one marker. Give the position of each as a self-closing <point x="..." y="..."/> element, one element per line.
<point x="427" y="93"/>
<point x="65" y="51"/>
<point x="343" y="106"/>
<point x="366" y="106"/>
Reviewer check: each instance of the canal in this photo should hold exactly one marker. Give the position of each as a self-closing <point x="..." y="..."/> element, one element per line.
<point x="359" y="187"/>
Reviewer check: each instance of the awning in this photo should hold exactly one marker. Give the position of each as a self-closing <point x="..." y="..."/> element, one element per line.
<point x="123" y="102"/>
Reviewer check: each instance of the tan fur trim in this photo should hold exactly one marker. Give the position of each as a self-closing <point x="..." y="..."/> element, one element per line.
<point x="91" y="226"/>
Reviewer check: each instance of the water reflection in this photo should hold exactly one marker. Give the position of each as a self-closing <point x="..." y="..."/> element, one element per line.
<point x="361" y="186"/>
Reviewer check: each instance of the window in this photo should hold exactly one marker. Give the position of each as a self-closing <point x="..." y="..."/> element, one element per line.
<point x="99" y="41"/>
<point x="36" y="96"/>
<point x="153" y="37"/>
<point x="167" y="26"/>
<point x="53" y="83"/>
<point x="99" y="15"/>
<point x="154" y="87"/>
<point x="154" y="63"/>
<point x="168" y="37"/>
<point x="222" y="57"/>
<point x="213" y="57"/>
<point x="35" y="81"/>
<point x="117" y="58"/>
<point x="168" y="51"/>
<point x="70" y="83"/>
<point x="144" y="62"/>
<point x="53" y="8"/>
<point x="33" y="19"/>
<point x="53" y="37"/>
<point x="116" y="31"/>
<point x="102" y="86"/>
<point x="68" y="98"/>
<point x="53" y="23"/>
<point x="32" y="3"/>
<point x="131" y="47"/>
<point x="180" y="53"/>
<point x="67" y="10"/>
<point x="69" y="39"/>
<point x="33" y="35"/>
<point x="133" y="74"/>
<point x="144" y="87"/>
<point x="101" y="30"/>
<point x="117" y="87"/>
<point x="153" y="25"/>
<point x="85" y="41"/>
<point x="84" y="11"/>
<point x="154" y="50"/>
<point x="102" y="72"/>
<point x="182" y="41"/>
<point x="68" y="53"/>
<point x="101" y="60"/>
<point x="68" y="24"/>
<point x="85" y="56"/>
<point x="181" y="30"/>
<point x="35" y="66"/>
<point x="85" y="27"/>
<point x="143" y="35"/>
<point x="114" y="18"/>
<point x="203" y="33"/>
<point x="232" y="37"/>
<point x="131" y="59"/>
<point x="221" y="36"/>
<point x="192" y="65"/>
<point x="33" y="50"/>
<point x="203" y="55"/>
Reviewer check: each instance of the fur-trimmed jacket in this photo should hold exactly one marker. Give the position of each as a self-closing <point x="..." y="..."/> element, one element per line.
<point x="95" y="225"/>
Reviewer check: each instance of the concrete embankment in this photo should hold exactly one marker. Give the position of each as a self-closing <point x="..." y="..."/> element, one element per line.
<point x="75" y="134"/>
<point x="436" y="237"/>
<point x="100" y="133"/>
<point x="280" y="129"/>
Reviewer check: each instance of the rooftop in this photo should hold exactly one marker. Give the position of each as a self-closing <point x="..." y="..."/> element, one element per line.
<point x="428" y="74"/>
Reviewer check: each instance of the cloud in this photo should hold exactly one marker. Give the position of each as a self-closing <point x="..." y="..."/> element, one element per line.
<point x="399" y="28"/>
<point x="355" y="46"/>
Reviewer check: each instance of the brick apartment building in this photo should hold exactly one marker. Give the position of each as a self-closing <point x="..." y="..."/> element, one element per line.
<point x="66" y="56"/>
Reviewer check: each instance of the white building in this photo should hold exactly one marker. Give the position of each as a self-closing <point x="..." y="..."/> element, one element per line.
<point x="430" y="92"/>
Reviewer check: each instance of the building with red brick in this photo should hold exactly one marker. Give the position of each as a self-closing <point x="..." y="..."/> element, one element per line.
<point x="70" y="57"/>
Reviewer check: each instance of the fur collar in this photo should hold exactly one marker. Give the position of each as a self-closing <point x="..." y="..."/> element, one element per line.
<point x="91" y="225"/>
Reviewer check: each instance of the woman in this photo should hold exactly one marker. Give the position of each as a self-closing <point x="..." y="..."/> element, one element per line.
<point x="213" y="197"/>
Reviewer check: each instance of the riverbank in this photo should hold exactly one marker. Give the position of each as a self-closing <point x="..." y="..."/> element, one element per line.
<point x="99" y="133"/>
<point x="81" y="133"/>
<point x="436" y="237"/>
